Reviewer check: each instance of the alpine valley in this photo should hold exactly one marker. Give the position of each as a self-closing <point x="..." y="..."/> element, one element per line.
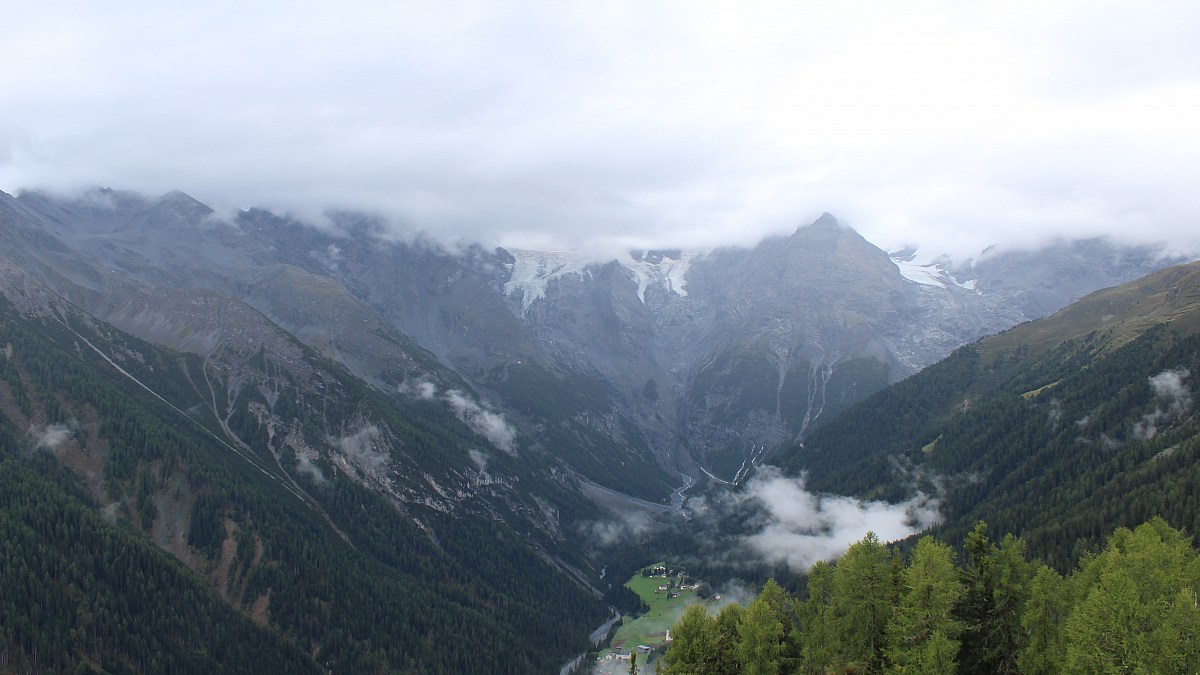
<point x="251" y="443"/>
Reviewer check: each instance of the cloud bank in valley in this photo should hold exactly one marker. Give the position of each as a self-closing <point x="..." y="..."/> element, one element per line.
<point x="802" y="527"/>
<point x="621" y="528"/>
<point x="773" y="519"/>
<point x="633" y="125"/>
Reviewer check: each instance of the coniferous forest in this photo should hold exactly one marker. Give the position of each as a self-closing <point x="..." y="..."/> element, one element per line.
<point x="1061" y="429"/>
<point x="98" y="475"/>
<point x="979" y="608"/>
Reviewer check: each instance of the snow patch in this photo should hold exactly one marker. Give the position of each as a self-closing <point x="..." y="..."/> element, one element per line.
<point x="668" y="270"/>
<point x="919" y="273"/>
<point x="928" y="272"/>
<point x="533" y="271"/>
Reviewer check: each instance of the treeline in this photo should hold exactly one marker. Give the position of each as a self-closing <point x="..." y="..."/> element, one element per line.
<point x="1130" y="608"/>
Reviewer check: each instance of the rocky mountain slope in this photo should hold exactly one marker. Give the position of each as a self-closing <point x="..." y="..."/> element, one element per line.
<point x="630" y="371"/>
<point x="358" y="527"/>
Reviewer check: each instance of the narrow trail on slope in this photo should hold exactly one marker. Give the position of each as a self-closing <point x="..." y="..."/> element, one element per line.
<point x="247" y="454"/>
<point x="291" y="484"/>
<point x="155" y="394"/>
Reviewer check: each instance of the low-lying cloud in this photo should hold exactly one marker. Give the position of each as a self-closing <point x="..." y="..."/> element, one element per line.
<point x="626" y="527"/>
<point x="1168" y="386"/>
<point x="803" y="527"/>
<point x="771" y="520"/>
<point x="484" y="421"/>
<point x="640" y="126"/>
<point x="305" y="465"/>
<point x="422" y="389"/>
<point x="360" y="448"/>
<point x="50" y="436"/>
<point x="480" y="459"/>
<point x="491" y="425"/>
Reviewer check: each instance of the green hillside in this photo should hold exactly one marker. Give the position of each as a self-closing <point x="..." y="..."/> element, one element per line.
<point x="274" y="562"/>
<point x="80" y="594"/>
<point x="1059" y="429"/>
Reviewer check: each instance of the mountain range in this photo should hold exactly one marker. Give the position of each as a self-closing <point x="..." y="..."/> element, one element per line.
<point x="659" y="364"/>
<point x="312" y="418"/>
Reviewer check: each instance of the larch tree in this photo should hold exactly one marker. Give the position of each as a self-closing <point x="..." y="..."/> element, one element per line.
<point x="923" y="633"/>
<point x="817" y="634"/>
<point x="1139" y="612"/>
<point x="760" y="638"/>
<point x="694" y="644"/>
<point x="1045" y="612"/>
<point x="861" y="605"/>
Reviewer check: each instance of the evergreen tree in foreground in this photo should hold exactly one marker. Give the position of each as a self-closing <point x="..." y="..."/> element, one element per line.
<point x="1131" y="608"/>
<point x="923" y="633"/>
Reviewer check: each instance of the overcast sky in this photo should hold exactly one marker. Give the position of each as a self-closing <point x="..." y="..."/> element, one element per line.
<point x="953" y="125"/>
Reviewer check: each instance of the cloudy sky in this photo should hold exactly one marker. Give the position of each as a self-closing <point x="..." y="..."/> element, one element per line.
<point x="949" y="124"/>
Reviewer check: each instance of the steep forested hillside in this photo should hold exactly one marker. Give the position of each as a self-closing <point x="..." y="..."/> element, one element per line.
<point x="81" y="594"/>
<point x="638" y="372"/>
<point x="1059" y="429"/>
<point x="297" y="505"/>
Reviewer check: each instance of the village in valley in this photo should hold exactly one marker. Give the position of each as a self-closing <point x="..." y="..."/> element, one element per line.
<point x="666" y="591"/>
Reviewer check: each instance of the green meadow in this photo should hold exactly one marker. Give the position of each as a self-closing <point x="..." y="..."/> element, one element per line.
<point x="650" y="629"/>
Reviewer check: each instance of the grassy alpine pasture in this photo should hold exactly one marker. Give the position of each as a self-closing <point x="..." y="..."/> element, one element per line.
<point x="651" y="628"/>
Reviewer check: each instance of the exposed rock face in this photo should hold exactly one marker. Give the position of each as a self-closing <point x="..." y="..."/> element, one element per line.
<point x="665" y="361"/>
<point x="745" y="349"/>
